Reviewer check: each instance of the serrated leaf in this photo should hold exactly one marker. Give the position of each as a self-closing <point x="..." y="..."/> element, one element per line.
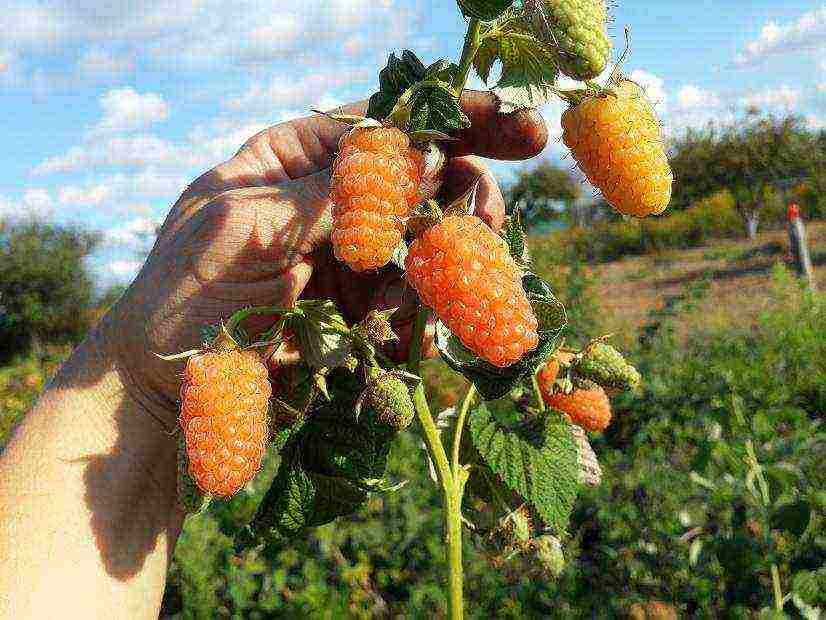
<point x="514" y="235"/>
<point x="529" y="67"/>
<point x="486" y="10"/>
<point x="321" y="334"/>
<point x="536" y="459"/>
<point x="494" y="382"/>
<point x="433" y="106"/>
<point x="442" y="70"/>
<point x="399" y="75"/>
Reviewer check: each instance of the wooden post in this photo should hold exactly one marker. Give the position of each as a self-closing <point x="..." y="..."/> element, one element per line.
<point x="799" y="246"/>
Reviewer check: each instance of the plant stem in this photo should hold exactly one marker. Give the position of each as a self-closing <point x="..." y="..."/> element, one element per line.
<point x="472" y="43"/>
<point x="540" y="402"/>
<point x="452" y="482"/>
<point x="460" y="425"/>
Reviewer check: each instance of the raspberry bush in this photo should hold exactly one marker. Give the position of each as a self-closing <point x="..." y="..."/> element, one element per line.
<point x="510" y="458"/>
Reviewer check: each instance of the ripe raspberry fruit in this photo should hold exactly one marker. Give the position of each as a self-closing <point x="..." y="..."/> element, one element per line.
<point x="464" y="271"/>
<point x="616" y="140"/>
<point x="588" y="407"/>
<point x="224" y="400"/>
<point x="576" y="29"/>
<point x="375" y="181"/>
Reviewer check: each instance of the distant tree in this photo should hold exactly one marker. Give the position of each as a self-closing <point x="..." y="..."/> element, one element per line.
<point x="754" y="157"/>
<point x="545" y="192"/>
<point x="45" y="287"/>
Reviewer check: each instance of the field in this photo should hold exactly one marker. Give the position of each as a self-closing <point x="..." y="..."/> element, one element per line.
<point x="733" y="354"/>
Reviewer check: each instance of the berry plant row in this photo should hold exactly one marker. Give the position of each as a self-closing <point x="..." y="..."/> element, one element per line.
<point x="510" y="456"/>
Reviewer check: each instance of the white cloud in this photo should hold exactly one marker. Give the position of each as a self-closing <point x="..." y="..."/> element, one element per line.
<point x="136" y="233"/>
<point x="148" y="183"/>
<point x="124" y="270"/>
<point x="815" y="123"/>
<point x="807" y="32"/>
<point x="97" y="62"/>
<point x="781" y="98"/>
<point x="7" y="60"/>
<point x="692" y="96"/>
<point x="36" y="203"/>
<point x="312" y="90"/>
<point x="125" y="109"/>
<point x="116" y="151"/>
<point x="653" y="86"/>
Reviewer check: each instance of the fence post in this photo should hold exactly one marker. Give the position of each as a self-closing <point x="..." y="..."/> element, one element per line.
<point x="799" y="246"/>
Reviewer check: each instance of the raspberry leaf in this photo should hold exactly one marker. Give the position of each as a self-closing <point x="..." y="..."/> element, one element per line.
<point x="399" y="75"/>
<point x="494" y="382"/>
<point x="536" y="458"/>
<point x="529" y="67"/>
<point x="433" y="106"/>
<point x="514" y="234"/>
<point x="486" y="10"/>
<point x="321" y="333"/>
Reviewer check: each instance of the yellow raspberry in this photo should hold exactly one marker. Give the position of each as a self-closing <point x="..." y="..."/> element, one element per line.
<point x="616" y="140"/>
<point x="224" y="401"/>
<point x="375" y="181"/>
<point x="464" y="271"/>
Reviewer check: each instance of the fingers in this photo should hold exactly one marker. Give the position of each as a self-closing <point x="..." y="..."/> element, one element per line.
<point x="461" y="174"/>
<point x="520" y="135"/>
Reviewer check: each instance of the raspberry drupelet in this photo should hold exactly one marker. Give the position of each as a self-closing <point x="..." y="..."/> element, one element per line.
<point x="586" y="407"/>
<point x="224" y="402"/>
<point x="375" y="181"/>
<point x="464" y="272"/>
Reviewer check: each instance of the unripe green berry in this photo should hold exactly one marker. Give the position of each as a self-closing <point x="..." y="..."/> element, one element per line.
<point x="386" y="406"/>
<point x="605" y="366"/>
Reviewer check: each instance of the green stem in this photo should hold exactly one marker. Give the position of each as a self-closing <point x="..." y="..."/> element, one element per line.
<point x="460" y="425"/>
<point x="765" y="505"/>
<point x="472" y="42"/>
<point x="452" y="483"/>
<point x="540" y="402"/>
<point x="242" y="315"/>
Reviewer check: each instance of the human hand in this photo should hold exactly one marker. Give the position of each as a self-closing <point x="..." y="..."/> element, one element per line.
<point x="255" y="231"/>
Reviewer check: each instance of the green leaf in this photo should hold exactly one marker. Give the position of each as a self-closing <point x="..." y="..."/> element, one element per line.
<point x="793" y="518"/>
<point x="321" y="333"/>
<point x="442" y="71"/>
<point x="494" y="382"/>
<point x="433" y="106"/>
<point x="529" y="67"/>
<point x="399" y="75"/>
<point x="486" y="10"/>
<point x="536" y="459"/>
<point x="515" y="236"/>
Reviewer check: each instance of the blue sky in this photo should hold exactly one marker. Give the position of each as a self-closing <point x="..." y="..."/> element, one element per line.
<point x="106" y="113"/>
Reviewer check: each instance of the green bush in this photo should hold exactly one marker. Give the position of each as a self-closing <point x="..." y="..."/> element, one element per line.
<point x="711" y="218"/>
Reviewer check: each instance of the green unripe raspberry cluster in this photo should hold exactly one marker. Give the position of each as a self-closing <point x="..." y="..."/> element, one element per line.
<point x="387" y="407"/>
<point x="605" y="366"/>
<point x="576" y="29"/>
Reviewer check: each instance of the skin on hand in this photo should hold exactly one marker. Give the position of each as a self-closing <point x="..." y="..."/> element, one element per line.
<point x="88" y="514"/>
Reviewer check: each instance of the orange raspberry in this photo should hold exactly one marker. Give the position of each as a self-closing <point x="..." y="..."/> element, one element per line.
<point x="375" y="181"/>
<point x="588" y="408"/>
<point x="224" y="401"/>
<point x="464" y="271"/>
<point x="616" y="140"/>
<point x="546" y="377"/>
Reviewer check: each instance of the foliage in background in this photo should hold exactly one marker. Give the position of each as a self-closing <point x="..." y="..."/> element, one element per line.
<point x="714" y="217"/>
<point x="45" y="287"/>
<point x="749" y="157"/>
<point x="544" y="193"/>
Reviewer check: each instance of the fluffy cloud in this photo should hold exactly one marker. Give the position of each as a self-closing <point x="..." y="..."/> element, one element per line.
<point x="692" y="96"/>
<point x="653" y="86"/>
<point x="123" y="270"/>
<point x="36" y="203"/>
<point x="125" y="109"/>
<point x="807" y="32"/>
<point x="782" y="98"/>
<point x="148" y="183"/>
<point x="116" y="151"/>
<point x="136" y="233"/>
